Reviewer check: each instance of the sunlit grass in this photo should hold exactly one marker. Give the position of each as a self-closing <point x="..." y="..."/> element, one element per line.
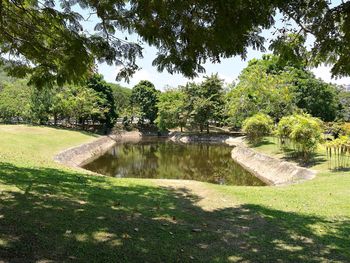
<point x="52" y="213"/>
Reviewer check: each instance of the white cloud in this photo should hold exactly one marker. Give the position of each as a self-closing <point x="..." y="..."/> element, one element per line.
<point x="324" y="73"/>
<point x="142" y="74"/>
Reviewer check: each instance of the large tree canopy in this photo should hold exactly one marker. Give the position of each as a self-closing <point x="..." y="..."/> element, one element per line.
<point x="49" y="39"/>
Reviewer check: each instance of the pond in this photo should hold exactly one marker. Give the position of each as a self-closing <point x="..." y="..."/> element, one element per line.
<point x="164" y="159"/>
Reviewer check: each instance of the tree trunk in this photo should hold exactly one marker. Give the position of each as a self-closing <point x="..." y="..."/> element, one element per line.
<point x="208" y="127"/>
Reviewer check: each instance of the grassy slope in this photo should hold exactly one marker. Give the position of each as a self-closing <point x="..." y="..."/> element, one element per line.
<point x="320" y="207"/>
<point x="48" y="212"/>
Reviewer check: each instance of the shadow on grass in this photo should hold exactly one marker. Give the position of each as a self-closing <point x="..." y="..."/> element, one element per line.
<point x="65" y="216"/>
<point x="260" y="143"/>
<point x="314" y="159"/>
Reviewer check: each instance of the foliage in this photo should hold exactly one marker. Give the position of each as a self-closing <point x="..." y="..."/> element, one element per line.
<point x="316" y="97"/>
<point x="291" y="51"/>
<point x="277" y="88"/>
<point x="48" y="39"/>
<point x="338" y="152"/>
<point x="346" y="128"/>
<point x="304" y="131"/>
<point x="106" y="101"/>
<point x="171" y="109"/>
<point x="336" y="129"/>
<point x="41" y="101"/>
<point x="14" y="101"/>
<point x="93" y="102"/>
<point x="285" y="127"/>
<point x="122" y="98"/>
<point x="345" y="105"/>
<point x="205" y="101"/>
<point x="258" y="91"/>
<point x="83" y="104"/>
<point x="145" y="96"/>
<point x="257" y="126"/>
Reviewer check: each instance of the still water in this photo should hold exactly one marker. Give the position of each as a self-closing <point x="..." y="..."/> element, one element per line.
<point x="163" y="159"/>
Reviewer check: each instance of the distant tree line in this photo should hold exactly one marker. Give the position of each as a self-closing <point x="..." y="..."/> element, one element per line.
<point x="92" y="105"/>
<point x="273" y="85"/>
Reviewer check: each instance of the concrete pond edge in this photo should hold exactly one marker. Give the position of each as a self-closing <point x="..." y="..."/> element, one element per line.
<point x="272" y="171"/>
<point x="80" y="155"/>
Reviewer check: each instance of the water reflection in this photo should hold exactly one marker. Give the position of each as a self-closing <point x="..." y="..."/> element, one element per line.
<point x="168" y="160"/>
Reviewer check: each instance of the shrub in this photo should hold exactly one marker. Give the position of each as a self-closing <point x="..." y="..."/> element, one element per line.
<point x="335" y="129"/>
<point x="257" y="126"/>
<point x="338" y="152"/>
<point x="304" y="131"/>
<point x="346" y="128"/>
<point x="285" y="127"/>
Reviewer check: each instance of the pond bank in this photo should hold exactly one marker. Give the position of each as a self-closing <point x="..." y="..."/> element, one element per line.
<point x="230" y="140"/>
<point x="270" y="170"/>
<point x="82" y="154"/>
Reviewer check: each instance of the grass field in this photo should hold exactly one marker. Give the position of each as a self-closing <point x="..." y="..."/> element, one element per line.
<point x="49" y="213"/>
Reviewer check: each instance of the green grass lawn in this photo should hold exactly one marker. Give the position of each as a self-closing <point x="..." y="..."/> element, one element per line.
<point x="49" y="213"/>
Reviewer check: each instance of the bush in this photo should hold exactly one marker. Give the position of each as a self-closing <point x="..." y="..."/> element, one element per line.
<point x="338" y="152"/>
<point x="257" y="126"/>
<point x="285" y="127"/>
<point x="304" y="131"/>
<point x="346" y="128"/>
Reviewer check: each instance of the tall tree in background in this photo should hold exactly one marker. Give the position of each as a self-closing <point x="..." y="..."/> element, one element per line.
<point x="122" y="97"/>
<point x="107" y="101"/>
<point x="345" y="103"/>
<point x="316" y="97"/>
<point x="272" y="86"/>
<point x="145" y="95"/>
<point x="205" y="101"/>
<point x="172" y="109"/>
<point x="41" y="101"/>
<point x="15" y="101"/>
<point x="259" y="92"/>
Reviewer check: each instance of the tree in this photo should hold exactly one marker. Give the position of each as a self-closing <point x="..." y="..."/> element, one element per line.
<point x="48" y="38"/>
<point x="122" y="98"/>
<point x="14" y="100"/>
<point x="106" y="101"/>
<point x="258" y="91"/>
<point x="85" y="103"/>
<point x="41" y="101"/>
<point x="316" y="97"/>
<point x="277" y="88"/>
<point x="145" y="95"/>
<point x="345" y="103"/>
<point x="205" y="101"/>
<point x="171" y="109"/>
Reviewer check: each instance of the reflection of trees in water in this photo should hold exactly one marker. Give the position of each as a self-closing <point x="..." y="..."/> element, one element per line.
<point x="202" y="162"/>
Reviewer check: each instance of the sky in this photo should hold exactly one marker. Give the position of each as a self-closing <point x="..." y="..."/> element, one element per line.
<point x="229" y="69"/>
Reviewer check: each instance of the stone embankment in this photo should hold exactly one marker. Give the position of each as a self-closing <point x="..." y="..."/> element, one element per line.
<point x="82" y="154"/>
<point x="188" y="138"/>
<point x="272" y="171"/>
